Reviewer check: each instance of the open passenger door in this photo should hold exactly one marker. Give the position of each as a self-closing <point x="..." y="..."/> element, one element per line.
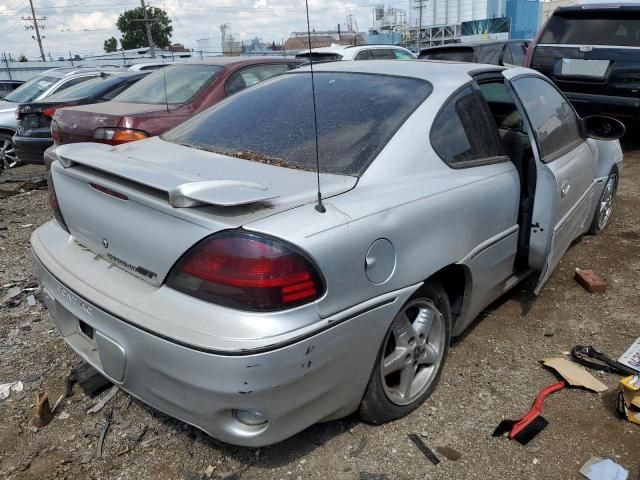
<point x="565" y="170"/>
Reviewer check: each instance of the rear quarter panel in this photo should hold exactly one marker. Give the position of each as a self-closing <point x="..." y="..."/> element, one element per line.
<point x="433" y="215"/>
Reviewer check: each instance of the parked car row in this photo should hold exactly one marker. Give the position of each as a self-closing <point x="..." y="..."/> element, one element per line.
<point x="261" y="259"/>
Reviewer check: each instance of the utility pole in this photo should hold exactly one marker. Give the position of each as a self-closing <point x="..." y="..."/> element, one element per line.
<point x="4" y="56"/>
<point x="35" y="26"/>
<point x="147" y="24"/>
<point x="419" y="32"/>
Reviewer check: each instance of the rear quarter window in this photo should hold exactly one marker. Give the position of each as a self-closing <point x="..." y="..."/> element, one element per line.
<point x="273" y="122"/>
<point x="464" y="134"/>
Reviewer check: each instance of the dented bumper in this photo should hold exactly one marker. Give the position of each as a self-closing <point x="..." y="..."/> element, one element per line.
<point x="320" y="377"/>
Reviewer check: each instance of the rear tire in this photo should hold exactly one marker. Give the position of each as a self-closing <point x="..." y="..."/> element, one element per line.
<point x="8" y="156"/>
<point x="604" y="209"/>
<point x="411" y="357"/>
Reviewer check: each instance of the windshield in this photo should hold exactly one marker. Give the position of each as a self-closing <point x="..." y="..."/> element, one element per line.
<point x="29" y="91"/>
<point x="594" y="28"/>
<point x="174" y="84"/>
<point x="273" y="121"/>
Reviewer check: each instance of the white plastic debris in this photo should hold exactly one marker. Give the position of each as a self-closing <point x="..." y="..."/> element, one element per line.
<point x="7" y="388"/>
<point x="603" y="469"/>
<point x="31" y="300"/>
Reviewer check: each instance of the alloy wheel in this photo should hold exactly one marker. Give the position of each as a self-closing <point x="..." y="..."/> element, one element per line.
<point x="413" y="351"/>
<point x="8" y="155"/>
<point x="605" y="207"/>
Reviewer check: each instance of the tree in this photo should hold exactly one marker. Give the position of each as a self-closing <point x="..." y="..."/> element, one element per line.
<point x="134" y="33"/>
<point x="23" y="58"/>
<point x="111" y="45"/>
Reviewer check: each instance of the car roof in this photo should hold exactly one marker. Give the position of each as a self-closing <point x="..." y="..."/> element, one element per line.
<point x="342" y="48"/>
<point x="598" y="6"/>
<point x="473" y="44"/>
<point x="431" y="70"/>
<point x="230" y="61"/>
<point x="64" y="72"/>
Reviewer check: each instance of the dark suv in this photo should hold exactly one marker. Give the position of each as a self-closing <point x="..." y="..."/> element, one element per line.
<point x="591" y="53"/>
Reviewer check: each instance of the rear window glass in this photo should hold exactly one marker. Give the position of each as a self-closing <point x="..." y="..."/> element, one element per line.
<point x="450" y="54"/>
<point x="321" y="57"/>
<point x="174" y="84"/>
<point x="32" y="89"/>
<point x="594" y="28"/>
<point x="88" y="88"/>
<point x="273" y="121"/>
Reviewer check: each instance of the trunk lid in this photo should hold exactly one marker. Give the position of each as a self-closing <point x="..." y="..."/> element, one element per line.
<point x="78" y="124"/>
<point x="174" y="196"/>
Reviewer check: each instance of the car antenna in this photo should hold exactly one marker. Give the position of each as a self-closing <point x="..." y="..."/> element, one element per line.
<point x="319" y="206"/>
<point x="166" y="96"/>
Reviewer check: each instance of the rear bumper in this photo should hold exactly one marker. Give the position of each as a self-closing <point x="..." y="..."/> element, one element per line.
<point x="590" y="104"/>
<point x="320" y="377"/>
<point x="31" y="150"/>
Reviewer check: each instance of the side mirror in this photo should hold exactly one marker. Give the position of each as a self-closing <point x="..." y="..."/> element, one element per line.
<point x="600" y="127"/>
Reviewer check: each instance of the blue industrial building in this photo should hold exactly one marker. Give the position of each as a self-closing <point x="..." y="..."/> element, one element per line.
<point x="525" y="15"/>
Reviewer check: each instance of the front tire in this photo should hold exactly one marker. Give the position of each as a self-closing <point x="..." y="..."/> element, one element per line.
<point x="411" y="357"/>
<point x="605" y="204"/>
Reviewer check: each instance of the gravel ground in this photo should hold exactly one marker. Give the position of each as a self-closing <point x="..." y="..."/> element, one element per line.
<point x="493" y="372"/>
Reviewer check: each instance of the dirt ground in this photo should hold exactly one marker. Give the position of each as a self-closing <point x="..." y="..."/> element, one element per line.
<point x="492" y="373"/>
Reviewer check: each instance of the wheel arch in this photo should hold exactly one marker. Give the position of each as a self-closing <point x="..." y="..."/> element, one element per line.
<point x="7" y="130"/>
<point x="455" y="279"/>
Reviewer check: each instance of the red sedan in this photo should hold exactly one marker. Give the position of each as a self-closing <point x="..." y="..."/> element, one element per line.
<point x="162" y="100"/>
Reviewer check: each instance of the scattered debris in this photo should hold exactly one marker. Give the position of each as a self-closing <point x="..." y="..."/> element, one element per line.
<point x="424" y="449"/>
<point x="63" y="416"/>
<point x="55" y="405"/>
<point x="209" y="471"/>
<point x="631" y="358"/>
<point x="103" y="401"/>
<point x="7" y="388"/>
<point x="108" y="416"/>
<point x="42" y="415"/>
<point x="449" y="453"/>
<point x="26" y="463"/>
<point x="138" y="438"/>
<point x="90" y="380"/>
<point x="580" y="355"/>
<point x="590" y="281"/>
<point x="603" y="469"/>
<point x="629" y="399"/>
<point x="12" y="293"/>
<point x="354" y="452"/>
<point x="86" y="457"/>
<point x="574" y="374"/>
<point x="532" y="423"/>
<point x="31" y="300"/>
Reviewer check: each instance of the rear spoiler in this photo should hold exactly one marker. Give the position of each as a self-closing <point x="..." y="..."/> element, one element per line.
<point x="184" y="190"/>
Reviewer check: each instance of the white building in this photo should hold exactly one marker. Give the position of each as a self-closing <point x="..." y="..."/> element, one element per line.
<point x="437" y="13"/>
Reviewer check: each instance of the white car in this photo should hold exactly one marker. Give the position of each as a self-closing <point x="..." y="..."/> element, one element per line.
<point x="358" y="52"/>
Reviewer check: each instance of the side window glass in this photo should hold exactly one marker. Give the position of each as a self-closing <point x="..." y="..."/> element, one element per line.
<point x="116" y="91"/>
<point x="72" y="82"/>
<point x="516" y="51"/>
<point x="252" y="75"/>
<point x="364" y="55"/>
<point x="553" y="119"/>
<point x="402" y="55"/>
<point x="383" y="54"/>
<point x="463" y="134"/>
<point x="507" y="58"/>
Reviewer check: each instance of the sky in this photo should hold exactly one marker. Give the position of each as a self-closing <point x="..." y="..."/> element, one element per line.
<point x="81" y="26"/>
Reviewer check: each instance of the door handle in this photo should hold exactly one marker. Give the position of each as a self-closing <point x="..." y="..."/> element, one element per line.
<point x="565" y="187"/>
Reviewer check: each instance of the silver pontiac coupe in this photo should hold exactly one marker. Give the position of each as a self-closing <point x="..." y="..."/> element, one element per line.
<point x="216" y="275"/>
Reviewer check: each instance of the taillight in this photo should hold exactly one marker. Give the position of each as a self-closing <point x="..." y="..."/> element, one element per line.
<point x="116" y="136"/>
<point x="49" y="112"/>
<point x="247" y="271"/>
<point x="53" y="203"/>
